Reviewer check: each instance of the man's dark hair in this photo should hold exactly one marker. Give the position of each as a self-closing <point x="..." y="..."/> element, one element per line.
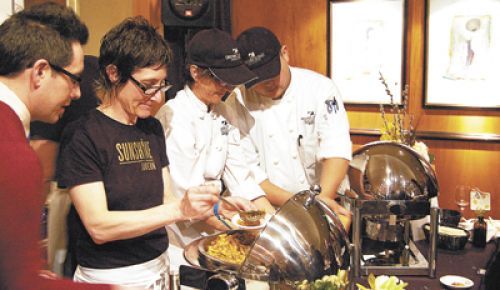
<point x="60" y="18"/>
<point x="44" y="31"/>
<point x="132" y="44"/>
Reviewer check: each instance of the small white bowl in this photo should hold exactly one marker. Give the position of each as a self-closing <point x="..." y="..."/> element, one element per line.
<point x="456" y="282"/>
<point x="236" y="218"/>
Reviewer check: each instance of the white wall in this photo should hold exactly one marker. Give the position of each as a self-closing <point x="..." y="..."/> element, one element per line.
<point x="7" y="7"/>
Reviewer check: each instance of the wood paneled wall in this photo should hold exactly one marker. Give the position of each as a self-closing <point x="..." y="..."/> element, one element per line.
<point x="303" y="26"/>
<point x="100" y="17"/>
<point x="150" y="9"/>
<point x="29" y="3"/>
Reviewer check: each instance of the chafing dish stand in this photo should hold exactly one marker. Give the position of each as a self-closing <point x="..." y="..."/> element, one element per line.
<point x="416" y="263"/>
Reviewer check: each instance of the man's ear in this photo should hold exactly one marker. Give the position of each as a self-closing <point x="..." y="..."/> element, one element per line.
<point x="113" y="73"/>
<point x="284" y="53"/>
<point x="194" y="71"/>
<point x="40" y="71"/>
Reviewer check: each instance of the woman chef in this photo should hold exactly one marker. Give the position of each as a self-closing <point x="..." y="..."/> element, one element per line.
<point x="203" y="148"/>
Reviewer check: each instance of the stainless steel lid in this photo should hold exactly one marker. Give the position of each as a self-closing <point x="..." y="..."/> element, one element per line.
<point x="390" y="171"/>
<point x="303" y="240"/>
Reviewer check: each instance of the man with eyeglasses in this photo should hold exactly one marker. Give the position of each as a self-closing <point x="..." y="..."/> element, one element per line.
<point x="114" y="164"/>
<point x="203" y="148"/>
<point x="45" y="139"/>
<point x="41" y="59"/>
<point x="74" y="78"/>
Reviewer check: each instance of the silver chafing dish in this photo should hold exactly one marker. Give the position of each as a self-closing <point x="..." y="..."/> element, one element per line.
<point x="303" y="240"/>
<point x="390" y="185"/>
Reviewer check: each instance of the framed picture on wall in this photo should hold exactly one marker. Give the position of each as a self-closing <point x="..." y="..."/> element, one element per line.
<point x="367" y="40"/>
<point x="463" y="54"/>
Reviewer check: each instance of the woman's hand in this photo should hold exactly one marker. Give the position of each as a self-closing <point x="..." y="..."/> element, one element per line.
<point x="228" y="210"/>
<point x="198" y="201"/>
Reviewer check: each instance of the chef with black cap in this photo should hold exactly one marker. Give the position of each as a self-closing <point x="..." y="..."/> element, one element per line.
<point x="294" y="122"/>
<point x="202" y="147"/>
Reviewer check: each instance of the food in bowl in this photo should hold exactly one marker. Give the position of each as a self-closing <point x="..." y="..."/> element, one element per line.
<point x="237" y="221"/>
<point x="251" y="217"/>
<point x="444" y="230"/>
<point x="456" y="282"/>
<point x="450" y="238"/>
<point x="230" y="248"/>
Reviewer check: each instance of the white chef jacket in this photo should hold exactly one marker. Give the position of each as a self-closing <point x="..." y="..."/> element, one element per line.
<point x="202" y="147"/>
<point x="285" y="139"/>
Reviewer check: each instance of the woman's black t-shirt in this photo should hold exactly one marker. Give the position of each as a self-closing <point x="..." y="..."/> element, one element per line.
<point x="128" y="159"/>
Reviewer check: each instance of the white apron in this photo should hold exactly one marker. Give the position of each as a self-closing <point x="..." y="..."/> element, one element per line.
<point x="151" y="275"/>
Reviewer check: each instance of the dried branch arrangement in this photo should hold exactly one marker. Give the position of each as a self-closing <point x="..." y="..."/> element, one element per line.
<point x="398" y="129"/>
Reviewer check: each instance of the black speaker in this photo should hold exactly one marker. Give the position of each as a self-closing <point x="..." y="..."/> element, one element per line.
<point x="188" y="13"/>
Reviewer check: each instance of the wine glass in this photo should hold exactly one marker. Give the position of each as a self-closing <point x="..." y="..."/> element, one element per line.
<point x="462" y="196"/>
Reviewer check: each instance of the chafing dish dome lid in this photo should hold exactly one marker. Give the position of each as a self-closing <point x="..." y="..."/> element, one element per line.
<point x="385" y="170"/>
<point x="303" y="240"/>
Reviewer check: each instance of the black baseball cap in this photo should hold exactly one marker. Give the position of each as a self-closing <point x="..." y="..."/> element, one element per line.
<point x="260" y="50"/>
<point x="217" y="50"/>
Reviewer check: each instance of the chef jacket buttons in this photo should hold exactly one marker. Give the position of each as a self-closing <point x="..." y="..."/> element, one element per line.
<point x="276" y="162"/>
<point x="302" y="181"/>
<point x="219" y="148"/>
<point x="270" y="135"/>
<point x="294" y="156"/>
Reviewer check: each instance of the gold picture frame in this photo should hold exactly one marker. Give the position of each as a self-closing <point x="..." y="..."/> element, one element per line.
<point x="366" y="39"/>
<point x="462" y="54"/>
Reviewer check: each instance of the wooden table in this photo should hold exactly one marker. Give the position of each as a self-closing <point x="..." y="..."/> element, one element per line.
<point x="466" y="263"/>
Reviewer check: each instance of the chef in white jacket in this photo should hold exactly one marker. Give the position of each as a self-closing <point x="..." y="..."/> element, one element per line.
<point x="293" y="123"/>
<point x="202" y="147"/>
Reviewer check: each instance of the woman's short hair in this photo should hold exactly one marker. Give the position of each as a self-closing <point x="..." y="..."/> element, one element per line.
<point x="130" y="45"/>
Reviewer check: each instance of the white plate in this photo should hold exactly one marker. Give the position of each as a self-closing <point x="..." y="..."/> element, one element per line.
<point x="456" y="282"/>
<point x="263" y="222"/>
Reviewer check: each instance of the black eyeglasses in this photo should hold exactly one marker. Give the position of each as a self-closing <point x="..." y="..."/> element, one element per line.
<point x="152" y="90"/>
<point x="76" y="79"/>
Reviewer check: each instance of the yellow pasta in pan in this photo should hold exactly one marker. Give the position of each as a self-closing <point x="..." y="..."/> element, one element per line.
<point x="228" y="248"/>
